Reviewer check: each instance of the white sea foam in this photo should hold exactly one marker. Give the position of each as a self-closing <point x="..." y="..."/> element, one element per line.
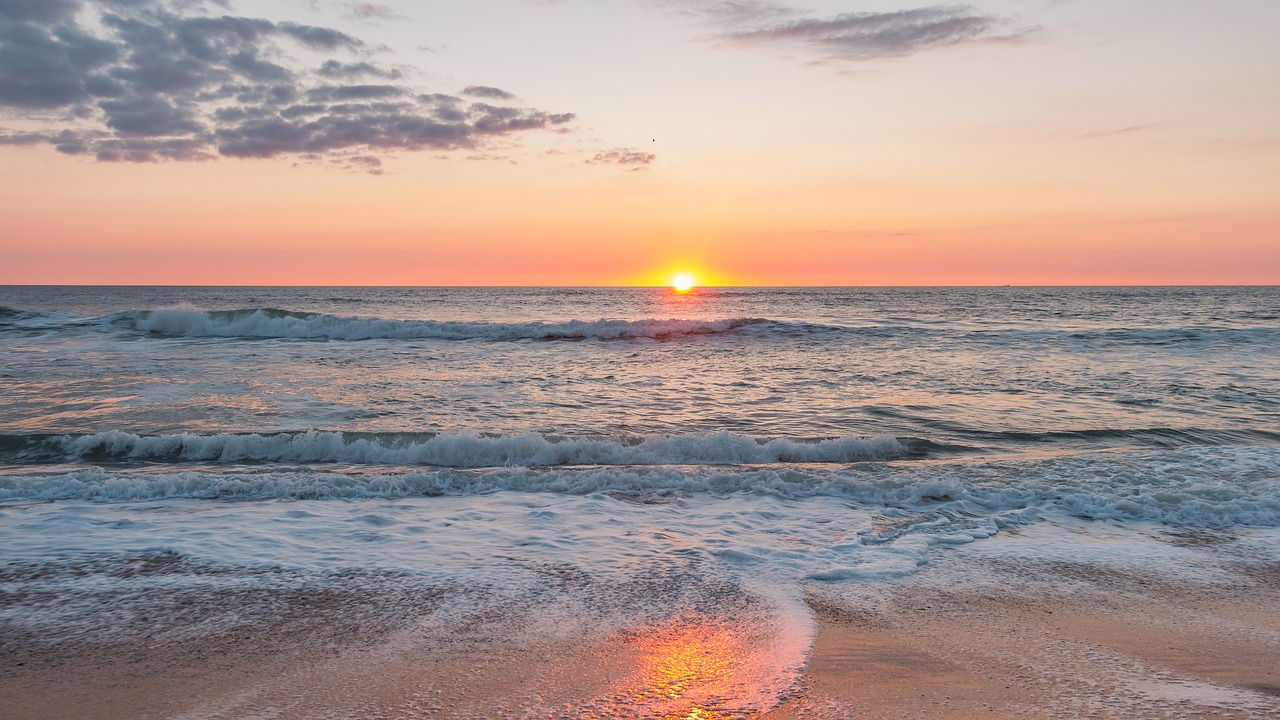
<point x="186" y="321"/>
<point x="1194" y="487"/>
<point x="472" y="450"/>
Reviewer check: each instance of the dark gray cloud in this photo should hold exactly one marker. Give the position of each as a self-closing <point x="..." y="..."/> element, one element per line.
<point x="149" y="80"/>
<point x="867" y="35"/>
<point x="318" y="38"/>
<point x="353" y="92"/>
<point x="152" y="115"/>
<point x="352" y="71"/>
<point x="636" y="159"/>
<point x="377" y="127"/>
<point x="483" y="91"/>
<point x="47" y="64"/>
<point x="37" y="10"/>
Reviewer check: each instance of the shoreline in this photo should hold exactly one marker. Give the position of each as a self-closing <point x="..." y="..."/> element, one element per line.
<point x="1062" y="641"/>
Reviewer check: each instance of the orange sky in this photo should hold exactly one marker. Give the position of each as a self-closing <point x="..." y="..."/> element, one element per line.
<point x="1059" y="143"/>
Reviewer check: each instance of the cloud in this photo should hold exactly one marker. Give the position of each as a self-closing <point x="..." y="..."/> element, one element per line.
<point x="371" y="164"/>
<point x="872" y="35"/>
<point x="490" y="157"/>
<point x="855" y="36"/>
<point x="371" y="11"/>
<point x="23" y="139"/>
<point x="37" y="10"/>
<point x="150" y="80"/>
<point x="330" y="93"/>
<point x="483" y="91"/>
<point x="376" y="127"/>
<point x="725" y="11"/>
<point x="351" y="71"/>
<point x="1116" y="131"/>
<point x="635" y="159"/>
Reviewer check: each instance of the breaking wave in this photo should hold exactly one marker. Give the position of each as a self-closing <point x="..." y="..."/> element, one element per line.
<point x="185" y="321"/>
<point x="276" y="323"/>
<point x="462" y="450"/>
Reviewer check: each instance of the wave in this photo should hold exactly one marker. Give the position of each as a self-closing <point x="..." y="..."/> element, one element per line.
<point x="1168" y="437"/>
<point x="462" y="450"/>
<point x="289" y="324"/>
<point x="185" y="321"/>
<point x="12" y="318"/>
<point x="1198" y="487"/>
<point x="1173" y="335"/>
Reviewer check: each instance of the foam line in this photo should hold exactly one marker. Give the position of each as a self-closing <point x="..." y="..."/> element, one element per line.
<point x="273" y="323"/>
<point x="1195" y="487"/>
<point x="457" y="449"/>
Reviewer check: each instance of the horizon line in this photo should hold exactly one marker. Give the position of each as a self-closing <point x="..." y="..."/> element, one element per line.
<point x="620" y="286"/>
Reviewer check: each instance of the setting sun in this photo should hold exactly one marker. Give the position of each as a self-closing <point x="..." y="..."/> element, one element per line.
<point x="682" y="282"/>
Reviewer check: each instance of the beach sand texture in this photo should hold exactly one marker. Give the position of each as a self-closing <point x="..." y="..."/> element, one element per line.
<point x="1068" y="641"/>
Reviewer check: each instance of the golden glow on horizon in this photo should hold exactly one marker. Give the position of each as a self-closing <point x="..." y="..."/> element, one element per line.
<point x="682" y="282"/>
<point x="349" y="233"/>
<point x="679" y="269"/>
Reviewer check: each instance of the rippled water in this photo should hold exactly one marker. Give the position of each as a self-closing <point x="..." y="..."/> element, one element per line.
<point x="756" y="439"/>
<point x="998" y="367"/>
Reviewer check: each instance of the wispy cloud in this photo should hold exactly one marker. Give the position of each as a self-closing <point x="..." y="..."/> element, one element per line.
<point x="725" y="11"/>
<point x="371" y="11"/>
<point x="626" y="157"/>
<point x="1116" y="131"/>
<point x="484" y="91"/>
<point x="874" y="35"/>
<point x="854" y="36"/>
<point x="371" y="164"/>
<point x="149" y="80"/>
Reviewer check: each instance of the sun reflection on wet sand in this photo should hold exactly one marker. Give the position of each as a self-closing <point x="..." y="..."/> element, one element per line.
<point x="689" y="665"/>
<point x="701" y="669"/>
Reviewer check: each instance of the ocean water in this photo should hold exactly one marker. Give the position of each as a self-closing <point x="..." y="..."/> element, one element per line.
<point x="606" y="459"/>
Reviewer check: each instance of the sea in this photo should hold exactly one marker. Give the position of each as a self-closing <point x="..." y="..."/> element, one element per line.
<point x="578" y="462"/>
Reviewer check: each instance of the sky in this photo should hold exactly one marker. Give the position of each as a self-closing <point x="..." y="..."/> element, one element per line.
<point x="619" y="142"/>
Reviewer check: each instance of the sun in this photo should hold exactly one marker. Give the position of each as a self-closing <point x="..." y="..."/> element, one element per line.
<point x="682" y="282"/>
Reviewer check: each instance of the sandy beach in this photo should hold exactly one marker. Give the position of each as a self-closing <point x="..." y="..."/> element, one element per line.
<point x="1115" y="647"/>
<point x="1053" y="640"/>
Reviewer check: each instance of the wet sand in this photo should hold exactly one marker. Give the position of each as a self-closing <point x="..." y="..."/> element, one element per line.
<point x="1057" y="641"/>
<point x="942" y="654"/>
